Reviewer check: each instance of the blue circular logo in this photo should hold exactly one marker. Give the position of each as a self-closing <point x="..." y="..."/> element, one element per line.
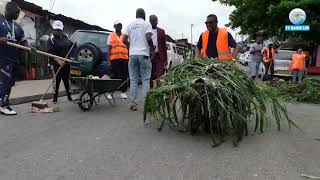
<point x="297" y="16"/>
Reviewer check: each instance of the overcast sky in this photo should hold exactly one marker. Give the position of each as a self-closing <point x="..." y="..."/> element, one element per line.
<point x="175" y="16"/>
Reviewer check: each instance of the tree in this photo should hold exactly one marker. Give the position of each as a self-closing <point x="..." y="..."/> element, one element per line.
<point x="269" y="17"/>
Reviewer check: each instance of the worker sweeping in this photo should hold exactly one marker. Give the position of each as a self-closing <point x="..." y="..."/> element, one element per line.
<point x="59" y="44"/>
<point x="9" y="57"/>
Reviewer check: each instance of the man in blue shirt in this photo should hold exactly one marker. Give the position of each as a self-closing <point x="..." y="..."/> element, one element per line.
<point x="9" y="57"/>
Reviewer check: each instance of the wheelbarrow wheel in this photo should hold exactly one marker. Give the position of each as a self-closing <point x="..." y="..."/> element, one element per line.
<point x="85" y="100"/>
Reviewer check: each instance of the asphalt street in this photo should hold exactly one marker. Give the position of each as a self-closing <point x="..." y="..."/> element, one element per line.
<point x="111" y="143"/>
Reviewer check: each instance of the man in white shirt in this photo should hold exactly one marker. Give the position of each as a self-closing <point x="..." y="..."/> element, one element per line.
<point x="141" y="47"/>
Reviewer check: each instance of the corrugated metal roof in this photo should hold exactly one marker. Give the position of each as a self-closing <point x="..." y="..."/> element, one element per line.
<point x="40" y="11"/>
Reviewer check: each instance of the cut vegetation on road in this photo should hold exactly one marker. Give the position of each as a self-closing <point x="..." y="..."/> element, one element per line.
<point x="217" y="97"/>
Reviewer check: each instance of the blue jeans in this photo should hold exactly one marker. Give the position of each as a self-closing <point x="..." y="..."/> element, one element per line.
<point x="254" y="68"/>
<point x="143" y="65"/>
<point x="296" y="74"/>
<point x="7" y="80"/>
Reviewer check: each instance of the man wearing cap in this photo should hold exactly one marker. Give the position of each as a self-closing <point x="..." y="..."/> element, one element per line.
<point x="118" y="57"/>
<point x="9" y="58"/>
<point x="59" y="44"/>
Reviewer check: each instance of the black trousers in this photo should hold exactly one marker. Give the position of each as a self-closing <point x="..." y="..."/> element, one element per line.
<point x="63" y="75"/>
<point x="119" y="69"/>
<point x="269" y="66"/>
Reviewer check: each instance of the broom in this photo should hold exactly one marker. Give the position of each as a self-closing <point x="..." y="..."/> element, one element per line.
<point x="43" y="105"/>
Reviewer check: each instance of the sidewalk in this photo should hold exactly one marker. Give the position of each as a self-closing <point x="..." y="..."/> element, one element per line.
<point x="28" y="91"/>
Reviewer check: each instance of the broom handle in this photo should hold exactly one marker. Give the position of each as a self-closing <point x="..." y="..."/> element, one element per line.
<point x="55" y="76"/>
<point x="40" y="52"/>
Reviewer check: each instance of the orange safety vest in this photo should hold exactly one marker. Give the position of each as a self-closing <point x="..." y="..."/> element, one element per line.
<point x="118" y="49"/>
<point x="298" y="62"/>
<point x="224" y="52"/>
<point x="267" y="54"/>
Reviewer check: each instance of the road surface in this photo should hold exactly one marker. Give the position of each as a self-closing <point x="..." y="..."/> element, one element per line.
<point x="111" y="143"/>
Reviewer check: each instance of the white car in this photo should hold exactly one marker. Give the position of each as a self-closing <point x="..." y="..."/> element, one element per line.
<point x="282" y="63"/>
<point x="245" y="58"/>
<point x="174" y="58"/>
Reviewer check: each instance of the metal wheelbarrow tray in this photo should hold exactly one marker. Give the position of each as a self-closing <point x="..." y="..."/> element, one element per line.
<point x="93" y="89"/>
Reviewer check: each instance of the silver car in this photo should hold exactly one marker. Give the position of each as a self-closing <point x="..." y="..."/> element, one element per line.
<point x="245" y="58"/>
<point x="281" y="64"/>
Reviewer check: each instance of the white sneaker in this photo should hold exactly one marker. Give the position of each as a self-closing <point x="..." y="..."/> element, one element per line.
<point x="109" y="97"/>
<point x="7" y="111"/>
<point x="124" y="96"/>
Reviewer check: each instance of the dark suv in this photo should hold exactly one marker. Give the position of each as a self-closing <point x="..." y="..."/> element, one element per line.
<point x="91" y="51"/>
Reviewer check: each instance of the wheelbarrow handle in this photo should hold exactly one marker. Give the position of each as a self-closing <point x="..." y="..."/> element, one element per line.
<point x="40" y="52"/>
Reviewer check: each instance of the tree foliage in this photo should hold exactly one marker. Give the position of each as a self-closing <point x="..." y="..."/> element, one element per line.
<point x="269" y="17"/>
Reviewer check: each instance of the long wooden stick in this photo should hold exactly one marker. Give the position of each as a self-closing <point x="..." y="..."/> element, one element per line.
<point x="40" y="52"/>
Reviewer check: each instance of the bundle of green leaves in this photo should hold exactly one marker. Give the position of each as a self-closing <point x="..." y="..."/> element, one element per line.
<point x="216" y="97"/>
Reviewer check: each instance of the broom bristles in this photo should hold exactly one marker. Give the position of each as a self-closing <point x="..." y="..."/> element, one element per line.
<point x="40" y="105"/>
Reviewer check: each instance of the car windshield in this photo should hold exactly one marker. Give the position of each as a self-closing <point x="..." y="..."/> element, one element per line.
<point x="281" y="55"/>
<point x="98" y="39"/>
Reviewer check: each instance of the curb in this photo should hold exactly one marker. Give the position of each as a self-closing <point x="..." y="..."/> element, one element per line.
<point x="27" y="99"/>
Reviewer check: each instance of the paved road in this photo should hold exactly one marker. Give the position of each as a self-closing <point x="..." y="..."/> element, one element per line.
<point x="111" y="143"/>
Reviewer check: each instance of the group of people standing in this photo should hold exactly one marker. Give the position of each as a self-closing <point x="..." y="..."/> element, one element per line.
<point x="267" y="57"/>
<point x="140" y="51"/>
<point x="262" y="55"/>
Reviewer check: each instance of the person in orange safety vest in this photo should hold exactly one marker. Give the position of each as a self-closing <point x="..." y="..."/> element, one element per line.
<point x="269" y="55"/>
<point x="118" y="57"/>
<point x="216" y="43"/>
<point x="297" y="66"/>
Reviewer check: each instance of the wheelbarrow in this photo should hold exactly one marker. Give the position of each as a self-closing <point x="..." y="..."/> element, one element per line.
<point x="93" y="89"/>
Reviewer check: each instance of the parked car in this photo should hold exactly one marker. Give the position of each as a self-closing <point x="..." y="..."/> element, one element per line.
<point x="174" y="58"/>
<point x="245" y="58"/>
<point x="240" y="57"/>
<point x="92" y="47"/>
<point x="281" y="64"/>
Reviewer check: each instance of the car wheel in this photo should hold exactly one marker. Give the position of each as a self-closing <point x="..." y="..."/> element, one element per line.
<point x="89" y="56"/>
